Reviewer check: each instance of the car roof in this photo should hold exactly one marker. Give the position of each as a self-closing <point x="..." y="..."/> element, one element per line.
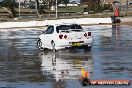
<point x="58" y="24"/>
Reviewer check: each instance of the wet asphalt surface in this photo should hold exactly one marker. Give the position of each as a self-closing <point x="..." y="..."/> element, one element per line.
<point x="22" y="65"/>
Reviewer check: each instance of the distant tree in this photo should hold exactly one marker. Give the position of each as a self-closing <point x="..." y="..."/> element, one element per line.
<point x="48" y="4"/>
<point x="40" y="8"/>
<point x="98" y="7"/>
<point x="126" y="7"/>
<point x="0" y="3"/>
<point x="10" y="6"/>
<point x="108" y="7"/>
<point x="65" y="2"/>
<point x="37" y="7"/>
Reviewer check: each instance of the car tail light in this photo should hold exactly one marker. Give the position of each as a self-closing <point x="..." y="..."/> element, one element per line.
<point x="85" y="34"/>
<point x="60" y="36"/>
<point x="65" y="36"/>
<point x="89" y="33"/>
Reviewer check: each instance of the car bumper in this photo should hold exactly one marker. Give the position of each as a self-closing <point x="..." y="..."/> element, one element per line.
<point x="61" y="44"/>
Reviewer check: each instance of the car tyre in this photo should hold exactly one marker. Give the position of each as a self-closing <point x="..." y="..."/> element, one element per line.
<point x="87" y="48"/>
<point x="53" y="46"/>
<point x="39" y="44"/>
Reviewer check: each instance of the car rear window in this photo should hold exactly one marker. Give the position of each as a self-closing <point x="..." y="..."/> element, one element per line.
<point x="67" y="27"/>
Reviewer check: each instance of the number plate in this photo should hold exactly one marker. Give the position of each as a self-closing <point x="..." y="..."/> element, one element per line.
<point x="75" y="43"/>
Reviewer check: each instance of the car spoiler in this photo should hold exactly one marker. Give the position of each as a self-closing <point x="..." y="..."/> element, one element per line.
<point x="70" y="30"/>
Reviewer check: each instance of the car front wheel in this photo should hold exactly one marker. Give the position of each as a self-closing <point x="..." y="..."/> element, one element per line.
<point x="39" y="44"/>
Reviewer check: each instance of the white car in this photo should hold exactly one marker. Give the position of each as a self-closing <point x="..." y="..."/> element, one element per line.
<point x="60" y="36"/>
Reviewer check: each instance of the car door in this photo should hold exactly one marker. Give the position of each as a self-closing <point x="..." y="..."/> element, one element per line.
<point x="48" y="35"/>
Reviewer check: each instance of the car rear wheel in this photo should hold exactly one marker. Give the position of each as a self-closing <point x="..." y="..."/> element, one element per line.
<point x="87" y="48"/>
<point x="53" y="46"/>
<point x="39" y="44"/>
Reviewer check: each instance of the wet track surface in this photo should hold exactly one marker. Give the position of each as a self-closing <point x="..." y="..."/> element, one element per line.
<point x="22" y="65"/>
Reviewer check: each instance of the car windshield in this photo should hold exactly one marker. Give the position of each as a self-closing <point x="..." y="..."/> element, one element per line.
<point x="67" y="27"/>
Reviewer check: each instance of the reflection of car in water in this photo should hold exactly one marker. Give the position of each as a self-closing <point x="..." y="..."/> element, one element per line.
<point x="59" y="66"/>
<point x="61" y="36"/>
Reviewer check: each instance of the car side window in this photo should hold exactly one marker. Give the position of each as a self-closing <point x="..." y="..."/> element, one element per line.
<point x="75" y="26"/>
<point x="49" y="30"/>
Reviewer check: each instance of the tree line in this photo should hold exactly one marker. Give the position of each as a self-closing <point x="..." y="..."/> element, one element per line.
<point x="10" y="5"/>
